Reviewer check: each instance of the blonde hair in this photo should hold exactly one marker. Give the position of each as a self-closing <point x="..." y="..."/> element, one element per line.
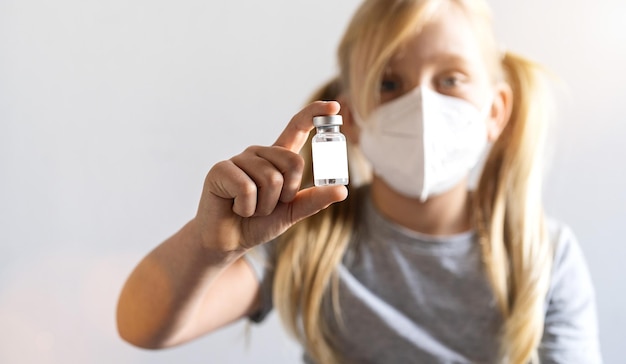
<point x="507" y="210"/>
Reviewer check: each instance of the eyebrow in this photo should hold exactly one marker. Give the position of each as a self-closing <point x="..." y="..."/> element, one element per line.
<point x="447" y="57"/>
<point x="439" y="58"/>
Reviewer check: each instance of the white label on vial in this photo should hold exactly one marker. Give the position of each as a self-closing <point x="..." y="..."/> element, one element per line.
<point x="330" y="160"/>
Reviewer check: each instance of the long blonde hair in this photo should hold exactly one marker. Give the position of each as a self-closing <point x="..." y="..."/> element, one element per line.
<point x="507" y="211"/>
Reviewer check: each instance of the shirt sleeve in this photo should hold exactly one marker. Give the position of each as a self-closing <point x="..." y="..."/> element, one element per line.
<point x="260" y="260"/>
<point x="571" y="324"/>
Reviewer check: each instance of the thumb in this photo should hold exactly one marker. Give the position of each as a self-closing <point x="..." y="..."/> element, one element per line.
<point x="314" y="199"/>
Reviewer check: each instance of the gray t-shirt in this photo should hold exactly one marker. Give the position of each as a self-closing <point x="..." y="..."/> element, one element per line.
<point x="407" y="297"/>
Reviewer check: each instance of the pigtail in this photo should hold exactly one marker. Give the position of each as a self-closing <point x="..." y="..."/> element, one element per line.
<point x="509" y="214"/>
<point x="308" y="255"/>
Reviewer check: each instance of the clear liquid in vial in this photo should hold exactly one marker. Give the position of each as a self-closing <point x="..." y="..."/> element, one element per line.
<point x="331" y="181"/>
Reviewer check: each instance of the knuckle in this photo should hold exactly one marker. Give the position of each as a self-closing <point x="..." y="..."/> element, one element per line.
<point x="219" y="166"/>
<point x="246" y="154"/>
<point x="219" y="169"/>
<point x="252" y="149"/>
<point x="242" y="210"/>
<point x="245" y="188"/>
<point x="294" y="164"/>
<point x="292" y="161"/>
<point x="244" y="202"/>
<point x="273" y="179"/>
<point x="264" y="210"/>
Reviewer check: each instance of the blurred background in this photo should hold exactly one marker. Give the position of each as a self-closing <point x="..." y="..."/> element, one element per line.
<point x="112" y="112"/>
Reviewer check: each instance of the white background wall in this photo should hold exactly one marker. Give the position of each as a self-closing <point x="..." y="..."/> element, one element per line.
<point x="112" y="112"/>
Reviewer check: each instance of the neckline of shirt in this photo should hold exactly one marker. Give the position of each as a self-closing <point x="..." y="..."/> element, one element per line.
<point x="382" y="227"/>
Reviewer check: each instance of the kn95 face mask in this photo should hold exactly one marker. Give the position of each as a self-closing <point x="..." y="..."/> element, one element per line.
<point x="423" y="143"/>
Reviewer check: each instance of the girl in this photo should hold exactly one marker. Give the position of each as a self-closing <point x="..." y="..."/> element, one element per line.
<point x="410" y="266"/>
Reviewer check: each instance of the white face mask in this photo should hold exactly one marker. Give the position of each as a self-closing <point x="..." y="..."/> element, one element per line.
<point x="423" y="143"/>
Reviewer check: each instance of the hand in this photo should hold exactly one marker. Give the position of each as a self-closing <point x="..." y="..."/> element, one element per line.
<point x="255" y="196"/>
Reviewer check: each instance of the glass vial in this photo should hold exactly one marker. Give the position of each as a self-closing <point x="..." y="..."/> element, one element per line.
<point x="330" y="156"/>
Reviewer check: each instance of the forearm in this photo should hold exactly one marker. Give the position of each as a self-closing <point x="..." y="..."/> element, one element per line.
<point x="196" y="281"/>
<point x="164" y="292"/>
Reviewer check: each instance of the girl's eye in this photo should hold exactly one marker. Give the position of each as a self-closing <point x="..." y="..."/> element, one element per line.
<point x="388" y="86"/>
<point x="449" y="81"/>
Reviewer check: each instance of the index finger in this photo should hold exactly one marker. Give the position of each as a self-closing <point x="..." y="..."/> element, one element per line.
<point x="296" y="132"/>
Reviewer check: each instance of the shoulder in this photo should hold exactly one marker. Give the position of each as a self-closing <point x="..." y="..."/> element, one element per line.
<point x="563" y="239"/>
<point x="570" y="332"/>
<point x="569" y="264"/>
<point x="569" y="271"/>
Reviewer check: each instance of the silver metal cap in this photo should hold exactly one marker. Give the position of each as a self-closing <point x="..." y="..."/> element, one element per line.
<point x="327" y="120"/>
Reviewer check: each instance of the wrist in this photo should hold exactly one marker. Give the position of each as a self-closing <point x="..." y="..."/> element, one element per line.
<point x="208" y="245"/>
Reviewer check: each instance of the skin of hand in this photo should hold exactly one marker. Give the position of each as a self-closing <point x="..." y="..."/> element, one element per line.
<point x="255" y="196"/>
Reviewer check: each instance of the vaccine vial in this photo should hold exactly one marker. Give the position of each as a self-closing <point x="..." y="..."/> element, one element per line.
<point x="330" y="156"/>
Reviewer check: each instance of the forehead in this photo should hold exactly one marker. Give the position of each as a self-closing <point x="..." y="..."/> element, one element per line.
<point x="448" y="35"/>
